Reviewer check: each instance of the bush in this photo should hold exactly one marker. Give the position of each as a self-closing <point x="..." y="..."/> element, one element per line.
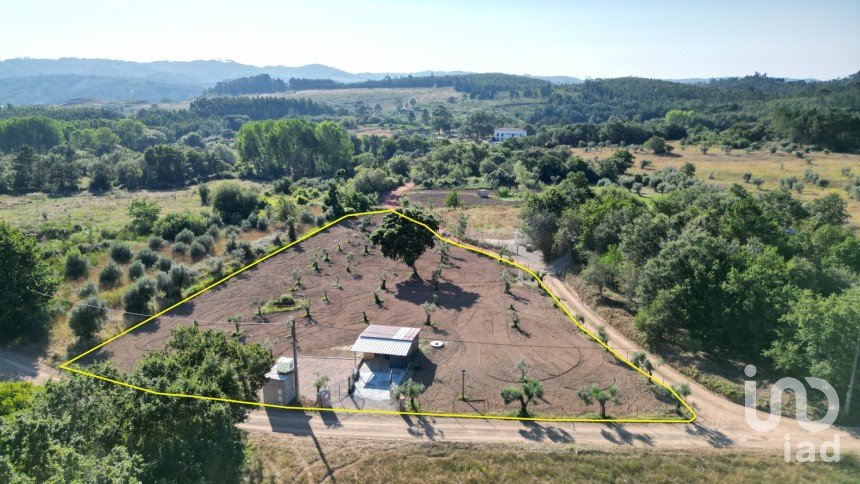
<point x="156" y="243"/>
<point x="306" y="217"/>
<point x="147" y="256"/>
<point x="282" y="186"/>
<point x="453" y="199"/>
<point x="185" y="235"/>
<point x="137" y="297"/>
<point x="214" y="232"/>
<point x="163" y="264"/>
<point x="263" y="224"/>
<point x="172" y="282"/>
<point x="87" y="318"/>
<point x="319" y="220"/>
<point x="77" y="266"/>
<point x="180" y="248"/>
<point x="656" y="144"/>
<point x="207" y="242"/>
<point x="136" y="270"/>
<point x="232" y="198"/>
<point x="110" y="275"/>
<point x="171" y="224"/>
<point x="88" y="289"/>
<point x="197" y="250"/>
<point x="204" y="191"/>
<point x="120" y="252"/>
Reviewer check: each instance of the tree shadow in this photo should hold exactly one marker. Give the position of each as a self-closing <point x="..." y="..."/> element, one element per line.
<point x="450" y="296"/>
<point x="424" y="428"/>
<point x="715" y="438"/>
<point x="425" y="370"/>
<point x="539" y="433"/>
<point x="623" y="436"/>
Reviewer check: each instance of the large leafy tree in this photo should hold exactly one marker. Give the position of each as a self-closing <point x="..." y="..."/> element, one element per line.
<point x="26" y="287"/>
<point x="404" y="240"/>
<point x="80" y="428"/>
<point x="818" y="335"/>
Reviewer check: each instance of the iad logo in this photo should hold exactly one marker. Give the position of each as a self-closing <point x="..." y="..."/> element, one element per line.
<point x="829" y="451"/>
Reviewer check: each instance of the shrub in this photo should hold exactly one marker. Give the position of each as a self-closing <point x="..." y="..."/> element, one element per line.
<point x="197" y="250"/>
<point x="453" y="199"/>
<point x="87" y="290"/>
<point x="207" y="242"/>
<point x="656" y="144"/>
<point x="214" y="232"/>
<point x="232" y="198"/>
<point x="306" y="217"/>
<point x="204" y="194"/>
<point x="263" y="224"/>
<point x="163" y="263"/>
<point x="136" y="270"/>
<point x="110" y="275"/>
<point x="180" y="248"/>
<point x="120" y="252"/>
<point x="147" y="256"/>
<point x="77" y="266"/>
<point x="172" y="282"/>
<point x="185" y="235"/>
<point x="171" y="224"/>
<point x="137" y="297"/>
<point x="155" y="243"/>
<point x="87" y="318"/>
<point x="320" y="220"/>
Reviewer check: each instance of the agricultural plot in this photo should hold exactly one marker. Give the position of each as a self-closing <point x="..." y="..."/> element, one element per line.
<point x="331" y="285"/>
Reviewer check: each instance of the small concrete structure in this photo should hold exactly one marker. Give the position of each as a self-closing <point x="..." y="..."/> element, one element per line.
<point x="386" y="354"/>
<point x="280" y="385"/>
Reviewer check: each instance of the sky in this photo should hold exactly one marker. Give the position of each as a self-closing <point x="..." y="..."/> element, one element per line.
<point x="649" y="38"/>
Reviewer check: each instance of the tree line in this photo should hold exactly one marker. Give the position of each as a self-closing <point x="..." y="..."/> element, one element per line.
<point x="719" y="269"/>
<point x="294" y="147"/>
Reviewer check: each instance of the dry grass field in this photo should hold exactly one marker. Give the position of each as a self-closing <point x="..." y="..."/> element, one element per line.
<point x="285" y="458"/>
<point x="29" y="212"/>
<point x="722" y="169"/>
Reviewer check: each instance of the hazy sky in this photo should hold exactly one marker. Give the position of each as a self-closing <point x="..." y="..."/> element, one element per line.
<point x="667" y="39"/>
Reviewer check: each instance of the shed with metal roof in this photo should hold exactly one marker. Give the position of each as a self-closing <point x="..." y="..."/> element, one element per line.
<point x="391" y="346"/>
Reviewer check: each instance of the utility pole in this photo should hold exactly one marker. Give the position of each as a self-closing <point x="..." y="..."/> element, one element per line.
<point x="292" y="323"/>
<point x="853" y="375"/>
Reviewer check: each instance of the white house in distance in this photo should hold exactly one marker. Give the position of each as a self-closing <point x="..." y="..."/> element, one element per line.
<point x="501" y="134"/>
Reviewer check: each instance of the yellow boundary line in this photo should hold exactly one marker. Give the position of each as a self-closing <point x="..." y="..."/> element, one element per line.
<point x="65" y="366"/>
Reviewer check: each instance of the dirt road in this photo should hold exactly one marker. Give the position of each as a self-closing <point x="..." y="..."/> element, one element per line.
<point x="24" y="365"/>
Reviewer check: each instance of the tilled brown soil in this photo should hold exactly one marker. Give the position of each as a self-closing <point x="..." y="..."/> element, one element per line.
<point x="473" y="319"/>
<point x="468" y="198"/>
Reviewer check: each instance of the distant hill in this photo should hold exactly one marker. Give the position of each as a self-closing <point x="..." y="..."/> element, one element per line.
<point x="56" y="81"/>
<point x="61" y="88"/>
<point x="560" y="79"/>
